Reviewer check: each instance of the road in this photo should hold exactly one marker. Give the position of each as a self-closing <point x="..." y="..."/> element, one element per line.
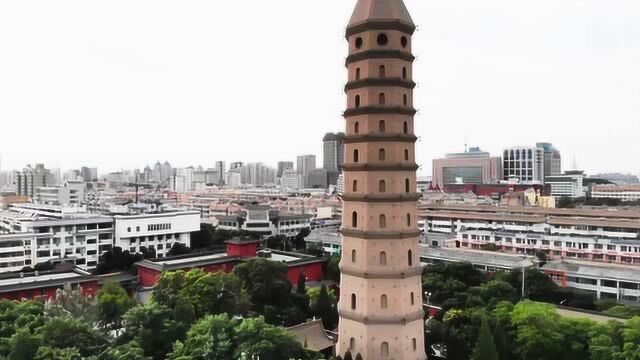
<point x="577" y="314"/>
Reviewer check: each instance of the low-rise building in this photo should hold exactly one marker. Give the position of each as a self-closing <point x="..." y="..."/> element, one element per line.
<point x="568" y="185"/>
<point x="238" y="250"/>
<point x="326" y="238"/>
<point x="598" y="235"/>
<point x="622" y="192"/>
<point x="265" y="221"/>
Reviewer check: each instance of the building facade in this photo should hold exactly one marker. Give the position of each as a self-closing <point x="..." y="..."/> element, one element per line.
<point x="568" y="185"/>
<point x="472" y="167"/>
<point x="622" y="192"/>
<point x="583" y="234"/>
<point x="292" y="180"/>
<point x="29" y="179"/>
<point x="524" y="164"/>
<point x="264" y="221"/>
<point x="305" y="164"/>
<point x="380" y="304"/>
<point x="333" y="152"/>
<point x="552" y="159"/>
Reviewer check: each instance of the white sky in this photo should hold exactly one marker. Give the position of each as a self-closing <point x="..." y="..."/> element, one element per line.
<point x="123" y="83"/>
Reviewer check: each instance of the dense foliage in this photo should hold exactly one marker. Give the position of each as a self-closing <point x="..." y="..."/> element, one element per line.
<point x="482" y="318"/>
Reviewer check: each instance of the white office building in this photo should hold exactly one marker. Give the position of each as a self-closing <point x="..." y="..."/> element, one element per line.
<point x="568" y="185"/>
<point x="524" y="164"/>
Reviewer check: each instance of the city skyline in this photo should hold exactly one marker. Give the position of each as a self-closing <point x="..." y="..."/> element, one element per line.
<point x="103" y="96"/>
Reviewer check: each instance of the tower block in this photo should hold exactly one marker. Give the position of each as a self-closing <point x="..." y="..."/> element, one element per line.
<point x="380" y="307"/>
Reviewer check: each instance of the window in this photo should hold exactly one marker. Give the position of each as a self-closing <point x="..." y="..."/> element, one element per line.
<point x="414" y="344"/>
<point x="413" y="298"/>
<point x="129" y="229"/>
<point x="359" y="42"/>
<point x="410" y="258"/>
<point x="355" y="185"/>
<point x="404" y="73"/>
<point x="406" y="185"/>
<point x="356" y="127"/>
<point x="384" y="303"/>
<point x="357" y="73"/>
<point x="382" y="39"/>
<point x="353" y="256"/>
<point x="354" y="219"/>
<point x="383" y="258"/>
<point x="384" y="349"/>
<point x="381" y="155"/>
<point x="381" y="71"/>
<point x="355" y="155"/>
<point x="382" y="186"/>
<point x="353" y="301"/>
<point x="405" y="128"/>
<point x="357" y="101"/>
<point x="409" y="220"/>
<point x="406" y="154"/>
<point x="404" y="99"/>
<point x="383" y="221"/>
<point x="404" y="41"/>
<point x="381" y="99"/>
<point x="352" y="344"/>
<point x="382" y="126"/>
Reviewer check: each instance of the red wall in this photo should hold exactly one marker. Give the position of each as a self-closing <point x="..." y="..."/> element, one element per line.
<point x="148" y="277"/>
<point x="242" y="250"/>
<point x="313" y="272"/>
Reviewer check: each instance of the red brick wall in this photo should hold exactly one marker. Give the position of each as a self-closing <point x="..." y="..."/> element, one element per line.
<point x="313" y="272"/>
<point x="243" y="250"/>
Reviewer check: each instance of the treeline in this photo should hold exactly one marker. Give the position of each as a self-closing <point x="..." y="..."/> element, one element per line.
<point x="191" y="315"/>
<point x="483" y="318"/>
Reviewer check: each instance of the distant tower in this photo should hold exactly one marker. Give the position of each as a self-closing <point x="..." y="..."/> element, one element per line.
<point x="381" y="315"/>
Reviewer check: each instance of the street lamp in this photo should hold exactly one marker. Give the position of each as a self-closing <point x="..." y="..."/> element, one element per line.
<point x="428" y="296"/>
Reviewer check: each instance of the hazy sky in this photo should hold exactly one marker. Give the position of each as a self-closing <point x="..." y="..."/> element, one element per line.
<point x="123" y="83"/>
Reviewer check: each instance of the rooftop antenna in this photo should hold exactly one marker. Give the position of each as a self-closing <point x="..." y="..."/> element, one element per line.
<point x="465" y="143"/>
<point x="136" y="188"/>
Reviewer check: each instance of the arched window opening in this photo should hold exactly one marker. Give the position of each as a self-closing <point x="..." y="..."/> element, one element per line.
<point x="409" y="220"/>
<point x="357" y="100"/>
<point x="383" y="221"/>
<point x="381" y="99"/>
<point x="382" y="127"/>
<point x="384" y="349"/>
<point x="406" y="185"/>
<point x="356" y="127"/>
<point x="404" y="73"/>
<point x="404" y="99"/>
<point x="404" y="42"/>
<point x="382" y="186"/>
<point x="355" y="185"/>
<point x="383" y="258"/>
<point x="359" y="42"/>
<point x="381" y="71"/>
<point x="356" y="156"/>
<point x="414" y="344"/>
<point x="354" y="219"/>
<point x="405" y="127"/>
<point x="382" y="155"/>
<point x="413" y="298"/>
<point x="353" y="301"/>
<point x="352" y="344"/>
<point x="357" y="73"/>
<point x="353" y="256"/>
<point x="410" y="258"/>
<point x="382" y="39"/>
<point x="406" y="154"/>
<point x="384" y="303"/>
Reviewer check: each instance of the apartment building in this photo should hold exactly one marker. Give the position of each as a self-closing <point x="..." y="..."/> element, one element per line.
<point x="263" y="220"/>
<point x="595" y="235"/>
<point x="31" y="234"/>
<point x="622" y="192"/>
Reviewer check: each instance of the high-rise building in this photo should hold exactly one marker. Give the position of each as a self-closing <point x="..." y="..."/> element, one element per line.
<point x="32" y="178"/>
<point x="257" y="174"/>
<point x="284" y="166"/>
<point x="156" y="174"/>
<point x="333" y="151"/>
<point x="552" y="159"/>
<point x="380" y="306"/>
<point x="524" y="164"/>
<point x="166" y="172"/>
<point x="291" y="180"/>
<point x="306" y="163"/>
<point x="470" y="167"/>
<point x="88" y="174"/>
<point x="221" y="169"/>
<point x="235" y="165"/>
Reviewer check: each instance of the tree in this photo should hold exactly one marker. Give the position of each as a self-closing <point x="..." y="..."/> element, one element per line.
<point x="151" y="326"/>
<point x="23" y="345"/>
<point x="48" y="353"/>
<point x="115" y="260"/>
<point x="333" y="268"/>
<point x="299" y="239"/>
<point x="67" y="332"/>
<point x="128" y="351"/>
<point x="204" y="238"/>
<point x="218" y="337"/>
<point x="178" y="249"/>
<point x="113" y="302"/>
<point x="485" y="347"/>
<point x="73" y="303"/>
<point x="301" y="287"/>
<point x="326" y="310"/>
<point x="538" y="334"/>
<point x="501" y="341"/>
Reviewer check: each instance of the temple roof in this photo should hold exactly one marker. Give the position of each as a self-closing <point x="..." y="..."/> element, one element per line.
<point x="380" y="10"/>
